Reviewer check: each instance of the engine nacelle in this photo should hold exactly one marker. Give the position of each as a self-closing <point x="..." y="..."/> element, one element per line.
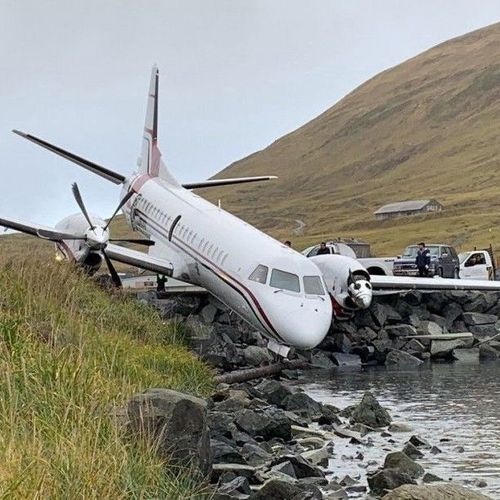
<point x="347" y="281"/>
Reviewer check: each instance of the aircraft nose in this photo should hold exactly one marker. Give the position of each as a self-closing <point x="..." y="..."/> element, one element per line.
<point x="306" y="326"/>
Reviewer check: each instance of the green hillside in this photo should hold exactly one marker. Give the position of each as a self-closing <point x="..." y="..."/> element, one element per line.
<point x="427" y="128"/>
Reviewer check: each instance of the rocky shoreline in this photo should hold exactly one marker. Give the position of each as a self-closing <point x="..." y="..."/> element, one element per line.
<point x="269" y="441"/>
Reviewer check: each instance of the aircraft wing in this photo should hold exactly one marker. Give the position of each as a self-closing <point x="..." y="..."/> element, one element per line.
<point x="397" y="284"/>
<point x="226" y="182"/>
<point x="25" y="227"/>
<point x="139" y="259"/>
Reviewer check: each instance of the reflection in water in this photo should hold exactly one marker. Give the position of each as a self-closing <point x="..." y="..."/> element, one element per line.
<point x="455" y="402"/>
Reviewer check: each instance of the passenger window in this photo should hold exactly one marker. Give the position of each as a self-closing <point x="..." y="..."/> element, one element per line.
<point x="313" y="285"/>
<point x="259" y="274"/>
<point x="285" y="281"/>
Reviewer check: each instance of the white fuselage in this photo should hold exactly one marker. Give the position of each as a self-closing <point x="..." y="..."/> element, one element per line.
<point x="209" y="247"/>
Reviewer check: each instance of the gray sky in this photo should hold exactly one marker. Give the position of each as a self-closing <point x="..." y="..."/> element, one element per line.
<point x="235" y="75"/>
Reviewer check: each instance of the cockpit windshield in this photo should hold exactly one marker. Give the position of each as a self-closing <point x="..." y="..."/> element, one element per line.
<point x="313" y="285"/>
<point x="285" y="281"/>
<point x="259" y="274"/>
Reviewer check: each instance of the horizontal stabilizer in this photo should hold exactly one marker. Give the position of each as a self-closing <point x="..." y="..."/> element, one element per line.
<point x="227" y="182"/>
<point x="87" y="164"/>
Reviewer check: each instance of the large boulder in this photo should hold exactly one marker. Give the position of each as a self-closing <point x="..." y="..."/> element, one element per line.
<point x="466" y="355"/>
<point x="429" y="328"/>
<point x="447" y="491"/>
<point x="302" y="404"/>
<point x="401" y="330"/>
<point x="264" y="425"/>
<point x="272" y="391"/>
<point x="239" y="487"/>
<point x="369" y="412"/>
<point x="223" y="452"/>
<point x="388" y="479"/>
<point x="488" y="352"/>
<point x="256" y="356"/>
<point x="301" y="466"/>
<point x="346" y="360"/>
<point x="401" y="360"/>
<point x="444" y="348"/>
<point x="402" y="462"/>
<point x="279" y="489"/>
<point x="474" y="319"/>
<point x="177" y="425"/>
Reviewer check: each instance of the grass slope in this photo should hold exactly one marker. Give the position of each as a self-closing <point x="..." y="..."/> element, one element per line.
<point x="427" y="128"/>
<point x="70" y="356"/>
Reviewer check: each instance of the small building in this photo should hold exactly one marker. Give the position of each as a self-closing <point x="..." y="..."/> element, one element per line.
<point x="407" y="208"/>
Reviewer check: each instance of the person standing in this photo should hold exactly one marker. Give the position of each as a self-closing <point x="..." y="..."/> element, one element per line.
<point x="323" y="249"/>
<point x="423" y="260"/>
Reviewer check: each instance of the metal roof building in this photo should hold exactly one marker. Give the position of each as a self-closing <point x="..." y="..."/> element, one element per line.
<point x="407" y="208"/>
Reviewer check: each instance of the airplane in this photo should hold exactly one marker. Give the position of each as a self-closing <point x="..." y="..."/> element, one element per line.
<point x="289" y="298"/>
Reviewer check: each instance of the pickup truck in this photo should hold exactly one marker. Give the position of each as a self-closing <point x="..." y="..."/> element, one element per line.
<point x="381" y="266"/>
<point x="444" y="262"/>
<point x="476" y="265"/>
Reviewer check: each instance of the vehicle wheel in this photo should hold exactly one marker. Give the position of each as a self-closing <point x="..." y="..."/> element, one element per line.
<point x="456" y="274"/>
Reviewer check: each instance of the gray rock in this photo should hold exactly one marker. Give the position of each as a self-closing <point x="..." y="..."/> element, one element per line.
<point x="474" y="319"/>
<point x="320" y="360"/>
<point x="342" y="342"/>
<point x="413" y="346"/>
<point x="466" y="355"/>
<point x="346" y="360"/>
<point x="401" y="330"/>
<point x="399" y="461"/>
<point x="413" y="297"/>
<point x="239" y="485"/>
<point x="429" y="328"/>
<point x="278" y="489"/>
<point x="272" y="391"/>
<point x="364" y="318"/>
<point x="254" y="454"/>
<point x="256" y="356"/>
<point x="379" y="314"/>
<point x="302" y="404"/>
<point x="208" y="313"/>
<point x="388" y="479"/>
<point x="284" y="467"/>
<point x="412" y="451"/>
<point x="434" y="492"/>
<point x="223" y="452"/>
<point x="443" y="348"/>
<point x="487" y="352"/>
<point x="419" y="442"/>
<point x="317" y="457"/>
<point x="302" y="467"/>
<point x="401" y="360"/>
<point x="481" y="332"/>
<point x="370" y="413"/>
<point x="176" y="423"/>
<point x="399" y="427"/>
<point x="431" y="478"/>
<point x="366" y="334"/>
<point x="252" y="337"/>
<point x="451" y="312"/>
<point x="262" y="424"/>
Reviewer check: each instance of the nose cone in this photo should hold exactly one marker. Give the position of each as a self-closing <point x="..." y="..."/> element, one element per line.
<point x="305" y="323"/>
<point x="363" y="299"/>
<point x="97" y="238"/>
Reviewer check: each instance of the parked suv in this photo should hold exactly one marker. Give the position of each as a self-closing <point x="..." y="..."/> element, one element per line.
<point x="444" y="262"/>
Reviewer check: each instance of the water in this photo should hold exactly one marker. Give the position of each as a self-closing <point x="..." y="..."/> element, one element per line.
<point x="456" y="402"/>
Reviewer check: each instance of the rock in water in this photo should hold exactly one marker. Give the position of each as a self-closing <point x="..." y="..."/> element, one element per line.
<point x="399" y="359"/>
<point x="388" y="479"/>
<point x="176" y="423"/>
<point x="435" y="492"/>
<point x="276" y="489"/>
<point x="399" y="461"/>
<point x="369" y="412"/>
<point x="488" y="352"/>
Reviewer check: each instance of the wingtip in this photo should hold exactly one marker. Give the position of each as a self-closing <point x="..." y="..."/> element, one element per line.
<point x="19" y="132"/>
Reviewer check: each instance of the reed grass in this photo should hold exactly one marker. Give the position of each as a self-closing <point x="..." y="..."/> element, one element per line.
<point x="70" y="357"/>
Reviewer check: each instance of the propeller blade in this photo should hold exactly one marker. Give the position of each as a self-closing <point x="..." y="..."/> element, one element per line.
<point x="112" y="271"/>
<point x="147" y="243"/>
<point x="118" y="208"/>
<point x="57" y="236"/>
<point x="79" y="200"/>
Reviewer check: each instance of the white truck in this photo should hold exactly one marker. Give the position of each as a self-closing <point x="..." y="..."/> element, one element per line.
<point x="381" y="266"/>
<point x="476" y="265"/>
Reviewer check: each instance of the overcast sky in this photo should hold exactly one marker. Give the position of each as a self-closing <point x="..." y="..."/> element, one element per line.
<point x="234" y="76"/>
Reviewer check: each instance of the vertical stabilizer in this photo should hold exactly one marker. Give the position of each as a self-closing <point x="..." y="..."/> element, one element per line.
<point x="151" y="162"/>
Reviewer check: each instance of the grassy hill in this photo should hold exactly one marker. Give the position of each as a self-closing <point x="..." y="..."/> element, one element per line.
<point x="427" y="128"/>
<point x="70" y="355"/>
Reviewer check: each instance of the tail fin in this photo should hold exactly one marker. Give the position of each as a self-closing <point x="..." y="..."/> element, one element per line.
<point x="151" y="162"/>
